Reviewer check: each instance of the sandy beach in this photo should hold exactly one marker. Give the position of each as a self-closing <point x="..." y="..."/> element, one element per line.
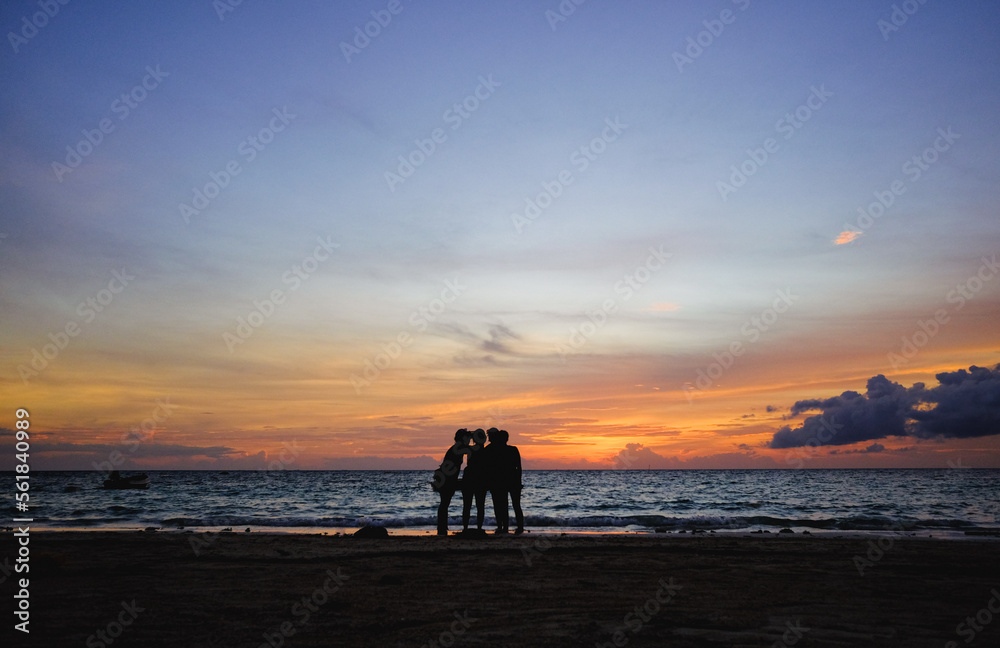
<point x="256" y="589"/>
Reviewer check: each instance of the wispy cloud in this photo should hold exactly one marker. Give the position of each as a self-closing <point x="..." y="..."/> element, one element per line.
<point x="847" y="236"/>
<point x="662" y="307"/>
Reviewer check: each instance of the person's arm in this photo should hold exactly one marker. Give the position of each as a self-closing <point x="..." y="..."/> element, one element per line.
<point x="517" y="465"/>
<point x="450" y="468"/>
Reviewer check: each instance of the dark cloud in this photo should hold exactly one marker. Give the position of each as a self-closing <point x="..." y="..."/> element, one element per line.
<point x="874" y="448"/>
<point x="499" y="334"/>
<point x="965" y="404"/>
<point x="422" y="462"/>
<point x="494" y="342"/>
<point x="478" y="361"/>
<point x="639" y="456"/>
<point x="169" y="450"/>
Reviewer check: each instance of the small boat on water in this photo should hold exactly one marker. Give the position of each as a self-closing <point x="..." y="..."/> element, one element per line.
<point x="116" y="481"/>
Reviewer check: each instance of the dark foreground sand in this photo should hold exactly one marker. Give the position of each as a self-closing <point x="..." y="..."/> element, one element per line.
<point x="664" y="590"/>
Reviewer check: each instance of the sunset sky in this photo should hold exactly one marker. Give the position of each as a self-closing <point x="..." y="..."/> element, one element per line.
<point x="327" y="235"/>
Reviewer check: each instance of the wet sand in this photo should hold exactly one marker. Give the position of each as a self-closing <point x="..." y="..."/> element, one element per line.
<point x="257" y="589"/>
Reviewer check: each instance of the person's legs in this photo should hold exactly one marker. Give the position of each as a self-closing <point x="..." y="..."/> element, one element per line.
<point x="467" y="496"/>
<point x="500" y="509"/>
<point x="515" y="500"/>
<point x="446" y="496"/>
<point x="480" y="507"/>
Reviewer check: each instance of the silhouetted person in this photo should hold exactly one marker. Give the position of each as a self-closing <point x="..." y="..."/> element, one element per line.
<point x="504" y="477"/>
<point x="446" y="476"/>
<point x="474" y="481"/>
<point x="514" y="486"/>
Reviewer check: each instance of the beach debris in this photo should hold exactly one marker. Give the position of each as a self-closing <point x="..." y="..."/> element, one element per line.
<point x="371" y="532"/>
<point x="150" y="529"/>
<point x="786" y="530"/>
<point x="246" y="530"/>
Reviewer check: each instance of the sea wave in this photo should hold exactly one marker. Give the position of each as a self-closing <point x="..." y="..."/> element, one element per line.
<point x="875" y="501"/>
<point x="549" y="522"/>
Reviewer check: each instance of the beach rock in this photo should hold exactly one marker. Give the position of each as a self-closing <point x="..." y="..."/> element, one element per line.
<point x="786" y="531"/>
<point x="371" y="532"/>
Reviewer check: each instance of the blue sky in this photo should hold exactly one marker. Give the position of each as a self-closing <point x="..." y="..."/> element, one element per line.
<point x="878" y="99"/>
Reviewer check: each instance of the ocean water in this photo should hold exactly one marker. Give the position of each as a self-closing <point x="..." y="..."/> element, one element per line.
<point x="938" y="502"/>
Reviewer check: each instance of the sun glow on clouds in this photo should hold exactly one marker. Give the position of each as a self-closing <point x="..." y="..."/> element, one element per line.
<point x="662" y="307"/>
<point x="847" y="236"/>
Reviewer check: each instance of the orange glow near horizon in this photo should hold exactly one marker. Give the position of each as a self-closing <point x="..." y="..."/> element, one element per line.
<point x="559" y="418"/>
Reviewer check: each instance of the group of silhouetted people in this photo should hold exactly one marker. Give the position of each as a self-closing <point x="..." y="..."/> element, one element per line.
<point x="495" y="468"/>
